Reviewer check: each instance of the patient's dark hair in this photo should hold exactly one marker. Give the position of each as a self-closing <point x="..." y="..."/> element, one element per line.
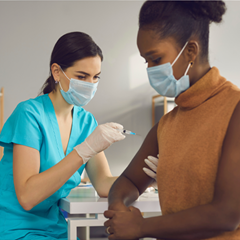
<point x="70" y="48"/>
<point x="182" y="19"/>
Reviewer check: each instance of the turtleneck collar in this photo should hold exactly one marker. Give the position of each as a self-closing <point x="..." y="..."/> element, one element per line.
<point x="202" y="90"/>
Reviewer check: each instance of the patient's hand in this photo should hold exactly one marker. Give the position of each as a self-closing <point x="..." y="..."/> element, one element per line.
<point x="124" y="225"/>
<point x="118" y="207"/>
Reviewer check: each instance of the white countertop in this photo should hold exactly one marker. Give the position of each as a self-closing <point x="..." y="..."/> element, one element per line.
<point x="85" y="200"/>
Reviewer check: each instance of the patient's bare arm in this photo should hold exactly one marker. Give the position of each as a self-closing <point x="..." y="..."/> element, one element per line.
<point x="133" y="181"/>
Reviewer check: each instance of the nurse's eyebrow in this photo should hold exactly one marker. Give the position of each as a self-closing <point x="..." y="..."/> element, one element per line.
<point x="86" y="73"/>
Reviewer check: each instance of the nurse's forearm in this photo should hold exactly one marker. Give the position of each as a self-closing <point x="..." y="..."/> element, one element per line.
<point x="41" y="186"/>
<point x="103" y="186"/>
<point x="122" y="194"/>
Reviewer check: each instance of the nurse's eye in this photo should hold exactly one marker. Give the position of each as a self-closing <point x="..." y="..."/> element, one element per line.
<point x="156" y="61"/>
<point x="95" y="79"/>
<point x="81" y="77"/>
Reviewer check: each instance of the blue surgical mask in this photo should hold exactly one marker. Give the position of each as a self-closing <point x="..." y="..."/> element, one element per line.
<point x="162" y="80"/>
<point x="79" y="92"/>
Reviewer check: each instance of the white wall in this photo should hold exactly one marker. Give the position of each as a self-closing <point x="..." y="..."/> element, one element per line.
<point x="29" y="30"/>
<point x="224" y="49"/>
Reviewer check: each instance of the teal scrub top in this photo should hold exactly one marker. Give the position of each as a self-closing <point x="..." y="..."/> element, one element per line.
<point x="34" y="124"/>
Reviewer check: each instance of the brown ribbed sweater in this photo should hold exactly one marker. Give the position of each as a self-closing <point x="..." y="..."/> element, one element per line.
<point x="190" y="140"/>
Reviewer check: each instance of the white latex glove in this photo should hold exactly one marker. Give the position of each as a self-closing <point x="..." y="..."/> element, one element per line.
<point x="100" y="139"/>
<point x="152" y="162"/>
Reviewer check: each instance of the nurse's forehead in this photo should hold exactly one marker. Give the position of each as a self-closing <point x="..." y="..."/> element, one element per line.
<point x="95" y="60"/>
<point x="90" y="64"/>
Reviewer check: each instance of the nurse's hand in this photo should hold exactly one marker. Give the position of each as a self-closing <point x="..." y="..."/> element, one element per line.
<point x="152" y="163"/>
<point x="101" y="138"/>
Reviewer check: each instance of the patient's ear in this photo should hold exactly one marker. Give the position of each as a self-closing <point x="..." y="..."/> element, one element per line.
<point x="55" y="70"/>
<point x="192" y="50"/>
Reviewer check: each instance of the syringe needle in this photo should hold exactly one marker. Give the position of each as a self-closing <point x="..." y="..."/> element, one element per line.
<point x="126" y="131"/>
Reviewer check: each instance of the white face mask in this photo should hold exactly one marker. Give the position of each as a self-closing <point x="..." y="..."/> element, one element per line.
<point x="79" y="93"/>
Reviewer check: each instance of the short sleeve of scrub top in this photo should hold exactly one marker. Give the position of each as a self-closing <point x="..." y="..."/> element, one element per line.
<point x="22" y="127"/>
<point x="34" y="124"/>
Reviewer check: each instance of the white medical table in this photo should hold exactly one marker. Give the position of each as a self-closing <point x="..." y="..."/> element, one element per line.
<point x="85" y="201"/>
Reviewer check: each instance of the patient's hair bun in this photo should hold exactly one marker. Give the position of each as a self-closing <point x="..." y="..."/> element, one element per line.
<point x="213" y="10"/>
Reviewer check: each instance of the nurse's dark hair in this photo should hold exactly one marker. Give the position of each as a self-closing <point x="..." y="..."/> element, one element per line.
<point x="70" y="48"/>
<point x="182" y="19"/>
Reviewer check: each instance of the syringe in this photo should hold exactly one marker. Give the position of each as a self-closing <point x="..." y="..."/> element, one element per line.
<point x="126" y="131"/>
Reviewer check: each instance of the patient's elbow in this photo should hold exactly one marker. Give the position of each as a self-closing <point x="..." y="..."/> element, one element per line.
<point x="230" y="221"/>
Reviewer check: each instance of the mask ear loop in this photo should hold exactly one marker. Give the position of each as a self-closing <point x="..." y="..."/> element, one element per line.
<point x="64" y="73"/>
<point x="65" y="76"/>
<point x="189" y="65"/>
<point x="180" y="53"/>
<point x="60" y="85"/>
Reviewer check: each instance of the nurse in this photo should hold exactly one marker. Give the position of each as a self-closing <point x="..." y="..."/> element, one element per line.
<point x="49" y="140"/>
<point x="198" y="170"/>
